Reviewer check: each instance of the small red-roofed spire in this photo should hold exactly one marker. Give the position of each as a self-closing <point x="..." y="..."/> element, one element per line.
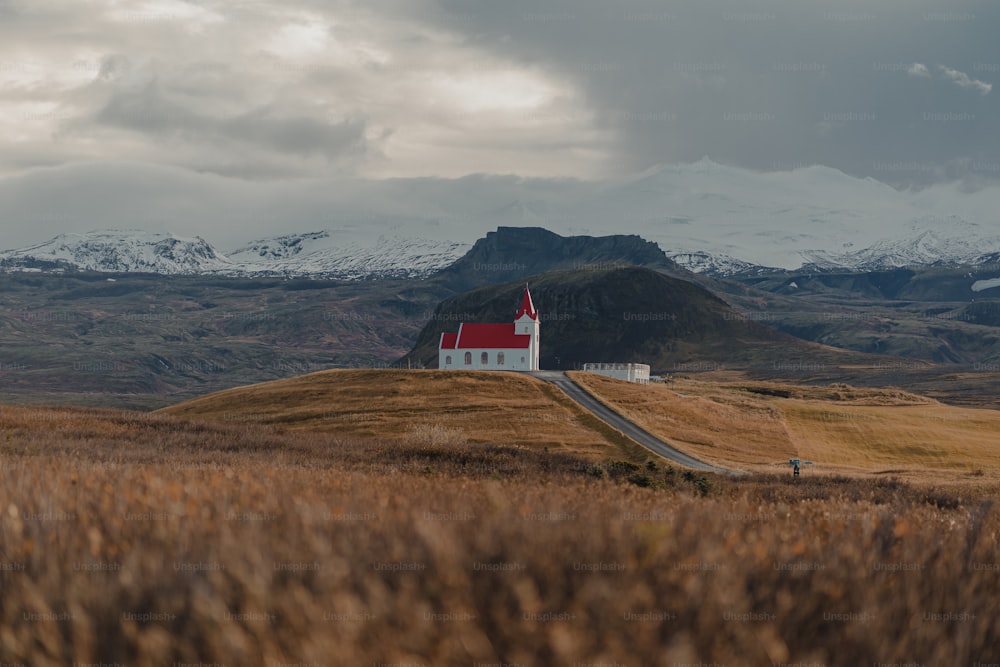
<point x="527" y="307"/>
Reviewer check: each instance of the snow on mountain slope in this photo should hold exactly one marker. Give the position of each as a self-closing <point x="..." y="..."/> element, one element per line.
<point x="322" y="253"/>
<point x="814" y="215"/>
<point x="981" y="285"/>
<point x="927" y="248"/>
<point x="347" y="256"/>
<point x="716" y="265"/>
<point x="121" y="252"/>
<point x="277" y="248"/>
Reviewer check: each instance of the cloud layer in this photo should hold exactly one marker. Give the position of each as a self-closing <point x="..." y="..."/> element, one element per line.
<point x="333" y="90"/>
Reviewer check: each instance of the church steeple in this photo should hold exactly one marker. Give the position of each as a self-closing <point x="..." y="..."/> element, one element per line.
<point x="527" y="322"/>
<point x="527" y="306"/>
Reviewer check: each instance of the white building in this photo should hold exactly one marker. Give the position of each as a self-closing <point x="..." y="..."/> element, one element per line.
<point x="494" y="347"/>
<point x="638" y="373"/>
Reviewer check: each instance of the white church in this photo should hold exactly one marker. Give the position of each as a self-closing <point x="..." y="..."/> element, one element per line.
<point x="494" y="347"/>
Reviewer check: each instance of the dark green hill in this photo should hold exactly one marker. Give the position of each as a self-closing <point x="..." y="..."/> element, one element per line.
<point x="628" y="314"/>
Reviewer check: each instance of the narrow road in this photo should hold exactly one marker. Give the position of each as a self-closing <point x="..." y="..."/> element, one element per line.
<point x="615" y="420"/>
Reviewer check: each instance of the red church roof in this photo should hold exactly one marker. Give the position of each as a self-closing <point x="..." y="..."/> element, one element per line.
<point x="448" y="341"/>
<point x="527" y="307"/>
<point x="490" y="336"/>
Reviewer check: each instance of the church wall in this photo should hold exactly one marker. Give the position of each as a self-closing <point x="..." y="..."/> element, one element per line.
<point x="512" y="359"/>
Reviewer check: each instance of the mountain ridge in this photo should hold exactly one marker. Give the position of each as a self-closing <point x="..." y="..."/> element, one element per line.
<point x="327" y="254"/>
<point x="311" y="254"/>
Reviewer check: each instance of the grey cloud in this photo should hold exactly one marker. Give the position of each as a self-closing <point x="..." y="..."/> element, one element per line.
<point x="771" y="84"/>
<point x="963" y="80"/>
<point x="113" y="67"/>
<point x="148" y="110"/>
<point x="301" y="135"/>
<point x="218" y="97"/>
<point x="42" y="203"/>
<point x="775" y="84"/>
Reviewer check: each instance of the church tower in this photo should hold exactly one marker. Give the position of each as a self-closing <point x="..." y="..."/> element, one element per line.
<point x="526" y="321"/>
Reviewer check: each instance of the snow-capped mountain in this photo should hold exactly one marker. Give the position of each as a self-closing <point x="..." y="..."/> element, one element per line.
<point x="278" y="248"/>
<point x="716" y="265"/>
<point x="926" y="248"/>
<point x="315" y="254"/>
<point x="717" y="219"/>
<point x="339" y="255"/>
<point x="121" y="252"/>
<point x="709" y="217"/>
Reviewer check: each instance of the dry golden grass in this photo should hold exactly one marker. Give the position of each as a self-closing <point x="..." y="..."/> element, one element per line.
<point x="154" y="564"/>
<point x="154" y="540"/>
<point x="395" y="406"/>
<point x="88" y="437"/>
<point x="754" y="426"/>
<point x="759" y="426"/>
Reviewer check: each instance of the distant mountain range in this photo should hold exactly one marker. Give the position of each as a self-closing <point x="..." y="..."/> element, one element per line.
<point x="309" y="255"/>
<point x="321" y="255"/>
<point x="709" y="218"/>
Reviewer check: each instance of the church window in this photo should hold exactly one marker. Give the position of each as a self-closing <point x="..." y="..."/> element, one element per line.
<point x="522" y="360"/>
<point x="499" y="358"/>
<point x="447" y="360"/>
<point x="468" y="358"/>
<point x="484" y="358"/>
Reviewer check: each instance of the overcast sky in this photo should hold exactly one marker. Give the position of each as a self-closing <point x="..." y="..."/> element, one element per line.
<point x="151" y="111"/>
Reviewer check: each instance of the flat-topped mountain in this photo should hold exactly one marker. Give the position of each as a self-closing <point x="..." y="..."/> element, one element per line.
<point x="512" y="253"/>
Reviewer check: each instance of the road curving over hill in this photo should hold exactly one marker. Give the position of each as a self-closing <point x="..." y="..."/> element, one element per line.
<point x="626" y="427"/>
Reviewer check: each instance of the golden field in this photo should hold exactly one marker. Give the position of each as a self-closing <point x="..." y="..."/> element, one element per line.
<point x="163" y="539"/>
<point x="396" y="405"/>
<point x="744" y="426"/>
<point x="845" y="430"/>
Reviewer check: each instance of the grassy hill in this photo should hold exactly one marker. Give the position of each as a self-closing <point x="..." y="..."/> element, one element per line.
<point x="439" y="408"/>
<point x="759" y="426"/>
<point x="743" y="425"/>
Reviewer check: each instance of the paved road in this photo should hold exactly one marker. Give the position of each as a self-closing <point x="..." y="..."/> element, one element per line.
<point x="613" y="419"/>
